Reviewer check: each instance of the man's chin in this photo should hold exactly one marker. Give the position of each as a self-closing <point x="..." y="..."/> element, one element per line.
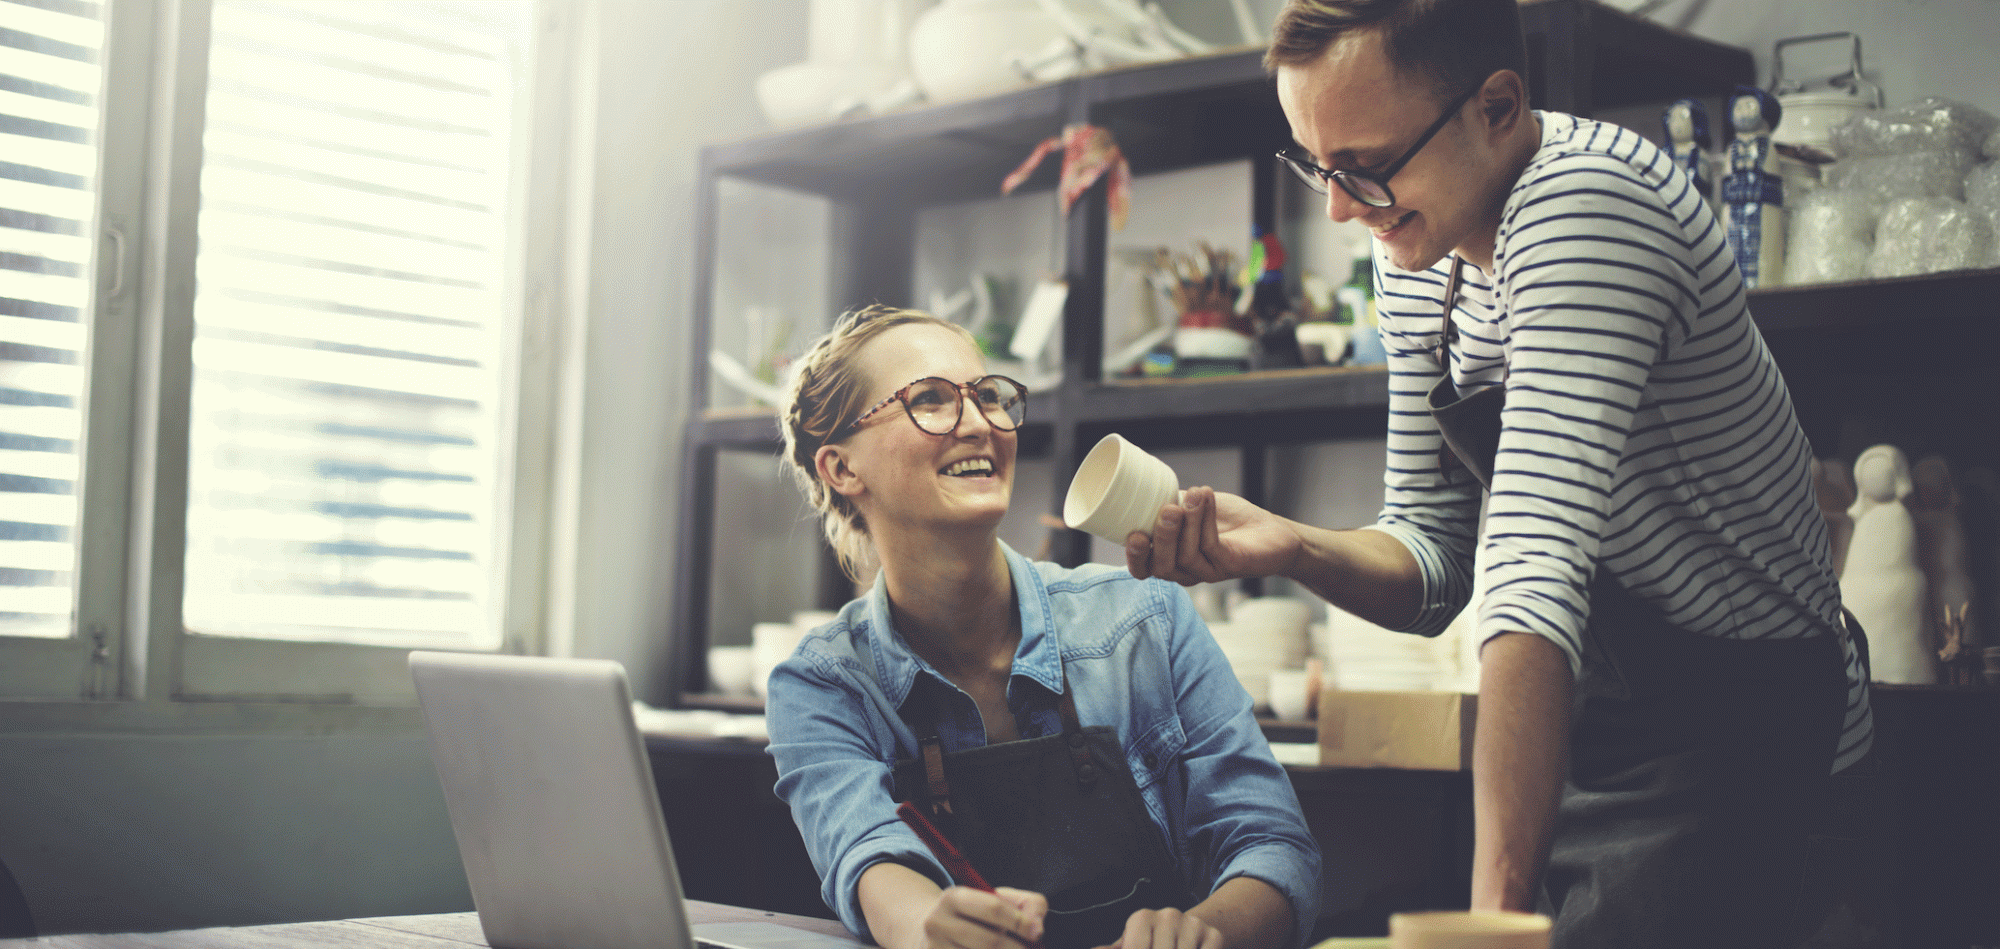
<point x="1414" y="261"/>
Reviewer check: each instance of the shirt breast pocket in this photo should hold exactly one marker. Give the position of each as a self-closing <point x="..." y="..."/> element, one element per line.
<point x="1152" y="753"/>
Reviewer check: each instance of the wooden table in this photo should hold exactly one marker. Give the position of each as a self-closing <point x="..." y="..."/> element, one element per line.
<point x="442" y="931"/>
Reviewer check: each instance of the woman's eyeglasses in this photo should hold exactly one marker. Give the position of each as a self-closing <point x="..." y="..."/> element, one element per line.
<point x="936" y="405"/>
<point x="1370" y="188"/>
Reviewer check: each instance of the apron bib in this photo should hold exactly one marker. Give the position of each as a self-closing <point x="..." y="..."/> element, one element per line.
<point x="1698" y="765"/>
<point x="1059" y="815"/>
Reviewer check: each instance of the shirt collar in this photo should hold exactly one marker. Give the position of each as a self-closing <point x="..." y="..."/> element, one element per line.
<point x="1038" y="657"/>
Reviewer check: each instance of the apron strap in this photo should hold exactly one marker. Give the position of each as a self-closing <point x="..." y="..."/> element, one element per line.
<point x="921" y="713"/>
<point x="937" y="791"/>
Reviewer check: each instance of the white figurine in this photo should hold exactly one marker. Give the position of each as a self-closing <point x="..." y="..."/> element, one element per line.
<point x="1941" y="547"/>
<point x="1752" y="191"/>
<point x="1882" y="583"/>
<point x="1686" y="125"/>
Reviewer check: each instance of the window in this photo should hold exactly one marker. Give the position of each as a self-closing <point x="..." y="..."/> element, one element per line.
<point x="348" y="356"/>
<point x="263" y="284"/>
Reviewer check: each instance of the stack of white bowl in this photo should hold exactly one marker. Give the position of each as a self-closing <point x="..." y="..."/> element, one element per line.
<point x="1363" y="657"/>
<point x="1264" y="635"/>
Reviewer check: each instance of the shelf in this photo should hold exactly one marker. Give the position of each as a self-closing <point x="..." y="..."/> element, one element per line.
<point x="1585" y="56"/>
<point x="1281" y="405"/>
<point x="1878" y="304"/>
<point x="1190" y="112"/>
<point x="902" y="155"/>
<point x="962" y="150"/>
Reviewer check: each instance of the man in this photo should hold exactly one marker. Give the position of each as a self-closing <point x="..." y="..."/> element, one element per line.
<point x="1666" y="683"/>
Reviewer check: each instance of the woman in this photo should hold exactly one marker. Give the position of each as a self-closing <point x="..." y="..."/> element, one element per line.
<point x="1075" y="730"/>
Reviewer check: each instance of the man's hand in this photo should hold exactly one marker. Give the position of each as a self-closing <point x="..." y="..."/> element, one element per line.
<point x="967" y="918"/>
<point x="1167" y="929"/>
<point x="1211" y="536"/>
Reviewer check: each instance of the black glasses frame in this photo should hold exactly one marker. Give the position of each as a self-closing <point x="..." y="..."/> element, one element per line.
<point x="960" y="389"/>
<point x="1316" y="177"/>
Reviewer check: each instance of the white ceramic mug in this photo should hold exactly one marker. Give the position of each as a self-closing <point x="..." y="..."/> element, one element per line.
<point x="1461" y="929"/>
<point x="1118" y="489"/>
<point x="1291" y="694"/>
<point x="731" y="669"/>
<point x="771" y="643"/>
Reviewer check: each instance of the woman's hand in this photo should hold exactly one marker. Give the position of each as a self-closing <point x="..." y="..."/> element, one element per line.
<point x="1212" y="535"/>
<point x="1167" y="929"/>
<point x="968" y="918"/>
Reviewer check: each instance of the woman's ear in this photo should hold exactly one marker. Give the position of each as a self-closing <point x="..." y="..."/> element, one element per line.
<point x="831" y="462"/>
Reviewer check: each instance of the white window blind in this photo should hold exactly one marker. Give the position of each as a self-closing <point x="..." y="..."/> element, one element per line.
<point x="49" y="91"/>
<point x="352" y="365"/>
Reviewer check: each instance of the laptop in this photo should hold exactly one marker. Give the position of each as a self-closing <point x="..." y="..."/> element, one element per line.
<point x="551" y="798"/>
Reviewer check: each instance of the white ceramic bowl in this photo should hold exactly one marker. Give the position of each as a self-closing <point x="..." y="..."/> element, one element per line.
<point x="1210" y="342"/>
<point x="1118" y="489"/>
<point x="805" y="93"/>
<point x="1808" y="118"/>
<point x="961" y="49"/>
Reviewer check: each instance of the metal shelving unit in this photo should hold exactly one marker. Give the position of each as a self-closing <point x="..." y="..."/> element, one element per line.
<point x="880" y="172"/>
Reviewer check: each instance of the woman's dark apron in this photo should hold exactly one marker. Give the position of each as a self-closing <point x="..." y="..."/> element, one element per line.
<point x="1698" y="765"/>
<point x="1059" y="815"/>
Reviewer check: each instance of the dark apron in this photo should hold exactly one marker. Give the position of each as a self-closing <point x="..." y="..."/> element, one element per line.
<point x="1058" y="815"/>
<point x="1699" y="766"/>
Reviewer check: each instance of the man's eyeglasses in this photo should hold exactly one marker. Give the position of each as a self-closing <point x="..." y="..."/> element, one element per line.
<point x="936" y="405"/>
<point x="1370" y="188"/>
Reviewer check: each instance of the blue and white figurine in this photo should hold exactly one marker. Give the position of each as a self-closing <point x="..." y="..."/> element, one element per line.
<point x="1686" y="125"/>
<point x="1753" y="194"/>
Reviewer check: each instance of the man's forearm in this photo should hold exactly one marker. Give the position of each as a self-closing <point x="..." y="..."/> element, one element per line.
<point x="1520" y="754"/>
<point x="1365" y="572"/>
<point x="1250" y="914"/>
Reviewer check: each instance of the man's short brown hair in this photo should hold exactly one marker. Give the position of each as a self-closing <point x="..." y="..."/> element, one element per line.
<point x="1453" y="44"/>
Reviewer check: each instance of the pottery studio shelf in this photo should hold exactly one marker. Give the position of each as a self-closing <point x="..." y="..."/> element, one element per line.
<point x="879" y="173"/>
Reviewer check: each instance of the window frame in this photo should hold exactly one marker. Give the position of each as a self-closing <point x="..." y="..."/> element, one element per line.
<point x="129" y="641"/>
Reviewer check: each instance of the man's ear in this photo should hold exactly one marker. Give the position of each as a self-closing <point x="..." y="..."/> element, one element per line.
<point x="1503" y="101"/>
<point x="831" y="462"/>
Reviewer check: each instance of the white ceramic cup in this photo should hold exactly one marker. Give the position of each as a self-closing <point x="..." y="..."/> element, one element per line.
<point x="1460" y="929"/>
<point x="731" y="668"/>
<point x="770" y="643"/>
<point x="1289" y="696"/>
<point x="1118" y="489"/>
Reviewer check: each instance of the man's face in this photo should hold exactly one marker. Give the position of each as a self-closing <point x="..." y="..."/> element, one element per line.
<point x="1352" y="110"/>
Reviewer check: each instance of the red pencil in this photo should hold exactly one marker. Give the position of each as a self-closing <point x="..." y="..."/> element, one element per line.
<point x="955" y="863"/>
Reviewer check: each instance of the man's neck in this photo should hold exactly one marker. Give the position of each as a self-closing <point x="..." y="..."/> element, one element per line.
<point x="1520" y="151"/>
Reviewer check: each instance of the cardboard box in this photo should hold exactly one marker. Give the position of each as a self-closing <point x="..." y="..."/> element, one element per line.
<point x="1422" y="730"/>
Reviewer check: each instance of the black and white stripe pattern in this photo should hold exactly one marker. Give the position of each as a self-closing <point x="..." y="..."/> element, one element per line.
<point x="1646" y="428"/>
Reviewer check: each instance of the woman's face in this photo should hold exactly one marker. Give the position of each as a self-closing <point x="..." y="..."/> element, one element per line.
<point x="911" y="478"/>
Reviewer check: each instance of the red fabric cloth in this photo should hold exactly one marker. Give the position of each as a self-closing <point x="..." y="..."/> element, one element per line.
<point x="1088" y="153"/>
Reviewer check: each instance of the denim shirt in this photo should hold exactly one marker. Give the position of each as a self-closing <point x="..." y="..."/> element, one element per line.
<point x="1138" y="659"/>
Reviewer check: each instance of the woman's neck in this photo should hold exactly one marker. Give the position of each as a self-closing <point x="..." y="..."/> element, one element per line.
<point x="954" y="605"/>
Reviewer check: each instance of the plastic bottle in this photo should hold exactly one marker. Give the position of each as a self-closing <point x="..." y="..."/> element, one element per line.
<point x="1357" y="297"/>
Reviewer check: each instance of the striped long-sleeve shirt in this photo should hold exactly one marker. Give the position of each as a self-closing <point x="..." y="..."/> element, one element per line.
<point x="1647" y="430"/>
